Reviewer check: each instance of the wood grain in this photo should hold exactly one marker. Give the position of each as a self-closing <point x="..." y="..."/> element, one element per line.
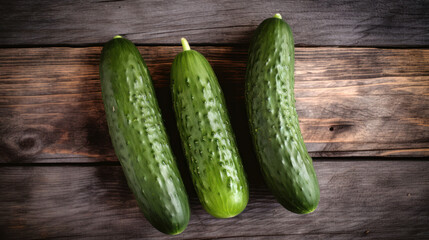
<point x="372" y="199"/>
<point x="351" y="102"/>
<point x="314" y="23"/>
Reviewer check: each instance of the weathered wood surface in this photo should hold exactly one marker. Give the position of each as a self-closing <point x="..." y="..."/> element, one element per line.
<point x="375" y="199"/>
<point x="315" y="23"/>
<point x="351" y="102"/>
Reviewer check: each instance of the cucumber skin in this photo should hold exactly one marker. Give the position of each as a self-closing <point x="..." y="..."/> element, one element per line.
<point x="207" y="137"/>
<point x="286" y="166"/>
<point x="139" y="137"/>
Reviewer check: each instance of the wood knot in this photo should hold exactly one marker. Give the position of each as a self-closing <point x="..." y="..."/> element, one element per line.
<point x="30" y="142"/>
<point x="26" y="143"/>
<point x="20" y="144"/>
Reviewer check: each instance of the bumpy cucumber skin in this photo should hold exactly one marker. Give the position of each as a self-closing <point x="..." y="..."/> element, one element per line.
<point x="139" y="137"/>
<point x="286" y="166"/>
<point x="207" y="137"/>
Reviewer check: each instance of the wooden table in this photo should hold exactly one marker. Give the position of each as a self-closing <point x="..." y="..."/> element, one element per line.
<point x="362" y="91"/>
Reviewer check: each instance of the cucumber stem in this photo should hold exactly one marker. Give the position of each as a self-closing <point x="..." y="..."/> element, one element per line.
<point x="117" y="36"/>
<point x="185" y="44"/>
<point x="277" y="15"/>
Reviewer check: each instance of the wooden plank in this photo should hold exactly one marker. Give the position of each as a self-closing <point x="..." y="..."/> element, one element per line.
<point x="314" y="23"/>
<point x="372" y="199"/>
<point x="351" y="102"/>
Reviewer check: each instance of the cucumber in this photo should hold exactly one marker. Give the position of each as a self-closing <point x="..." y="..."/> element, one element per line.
<point x="139" y="137"/>
<point x="207" y="137"/>
<point x="269" y="92"/>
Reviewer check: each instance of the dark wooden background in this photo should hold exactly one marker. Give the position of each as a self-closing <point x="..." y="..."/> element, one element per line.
<point x="362" y="91"/>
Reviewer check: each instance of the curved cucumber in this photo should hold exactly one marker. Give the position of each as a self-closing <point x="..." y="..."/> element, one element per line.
<point x="207" y="136"/>
<point x="139" y="137"/>
<point x="286" y="166"/>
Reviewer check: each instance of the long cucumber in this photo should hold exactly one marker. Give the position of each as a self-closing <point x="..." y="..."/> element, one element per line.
<point x="139" y="137"/>
<point x="207" y="136"/>
<point x="286" y="166"/>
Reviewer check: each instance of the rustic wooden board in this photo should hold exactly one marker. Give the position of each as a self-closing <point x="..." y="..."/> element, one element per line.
<point x="351" y="102"/>
<point x="375" y="199"/>
<point x="316" y="23"/>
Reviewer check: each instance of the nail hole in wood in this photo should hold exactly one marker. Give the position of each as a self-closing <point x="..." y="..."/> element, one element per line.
<point x="331" y="129"/>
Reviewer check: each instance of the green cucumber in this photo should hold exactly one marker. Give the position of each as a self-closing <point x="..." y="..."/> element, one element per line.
<point x="139" y="137"/>
<point x="286" y="166"/>
<point x="207" y="137"/>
